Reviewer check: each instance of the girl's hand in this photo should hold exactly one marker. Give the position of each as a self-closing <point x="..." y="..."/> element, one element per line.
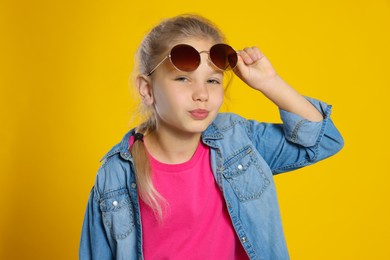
<point x="257" y="72"/>
<point x="254" y="68"/>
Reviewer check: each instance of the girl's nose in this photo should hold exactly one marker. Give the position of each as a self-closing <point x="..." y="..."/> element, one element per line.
<point x="200" y="93"/>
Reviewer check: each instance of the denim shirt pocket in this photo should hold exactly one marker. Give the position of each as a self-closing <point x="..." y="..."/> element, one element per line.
<point x="244" y="174"/>
<point x="117" y="213"/>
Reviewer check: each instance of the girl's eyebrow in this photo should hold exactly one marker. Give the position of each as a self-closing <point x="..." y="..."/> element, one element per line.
<point x="218" y="73"/>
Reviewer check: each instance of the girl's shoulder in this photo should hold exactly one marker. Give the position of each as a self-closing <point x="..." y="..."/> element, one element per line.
<point x="116" y="167"/>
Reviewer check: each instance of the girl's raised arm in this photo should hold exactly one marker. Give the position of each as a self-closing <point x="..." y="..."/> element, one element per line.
<point x="256" y="71"/>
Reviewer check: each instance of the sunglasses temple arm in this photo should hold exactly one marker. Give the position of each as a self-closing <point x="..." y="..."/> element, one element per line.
<point x="150" y="73"/>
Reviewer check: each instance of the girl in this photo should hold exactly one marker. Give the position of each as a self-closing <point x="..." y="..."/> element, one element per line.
<point x="190" y="183"/>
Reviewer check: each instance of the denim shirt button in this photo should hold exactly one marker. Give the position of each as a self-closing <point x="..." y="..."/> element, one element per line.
<point x="126" y="155"/>
<point x="133" y="185"/>
<point x="240" y="167"/>
<point x="243" y="239"/>
<point x="115" y="203"/>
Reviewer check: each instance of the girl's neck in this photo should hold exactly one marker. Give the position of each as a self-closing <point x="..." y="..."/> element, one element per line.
<point x="172" y="148"/>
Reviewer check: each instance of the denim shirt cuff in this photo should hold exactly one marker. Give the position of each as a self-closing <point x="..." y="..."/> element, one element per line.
<point x="302" y="131"/>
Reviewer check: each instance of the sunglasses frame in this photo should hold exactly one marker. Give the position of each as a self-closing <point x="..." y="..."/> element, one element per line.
<point x="209" y="58"/>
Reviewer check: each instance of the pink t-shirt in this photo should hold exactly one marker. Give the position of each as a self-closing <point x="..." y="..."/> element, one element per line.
<point x="196" y="224"/>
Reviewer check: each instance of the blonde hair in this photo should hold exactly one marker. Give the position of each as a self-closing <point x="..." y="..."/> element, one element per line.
<point x="156" y="43"/>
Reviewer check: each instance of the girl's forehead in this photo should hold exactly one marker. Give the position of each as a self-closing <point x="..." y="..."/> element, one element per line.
<point x="200" y="44"/>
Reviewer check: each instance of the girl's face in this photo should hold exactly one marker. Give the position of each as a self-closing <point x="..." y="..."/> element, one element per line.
<point x="187" y="102"/>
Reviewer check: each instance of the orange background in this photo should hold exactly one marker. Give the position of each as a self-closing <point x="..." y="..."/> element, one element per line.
<point x="66" y="99"/>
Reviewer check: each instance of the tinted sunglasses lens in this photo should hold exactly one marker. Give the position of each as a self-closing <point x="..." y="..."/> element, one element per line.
<point x="185" y="57"/>
<point x="223" y="56"/>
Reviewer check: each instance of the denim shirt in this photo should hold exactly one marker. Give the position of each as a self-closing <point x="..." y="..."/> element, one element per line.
<point x="245" y="155"/>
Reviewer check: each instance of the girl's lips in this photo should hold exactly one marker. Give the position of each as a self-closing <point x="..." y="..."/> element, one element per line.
<point x="199" y="114"/>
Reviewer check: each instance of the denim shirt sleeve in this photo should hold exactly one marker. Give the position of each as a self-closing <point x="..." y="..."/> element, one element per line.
<point x="94" y="244"/>
<point x="297" y="142"/>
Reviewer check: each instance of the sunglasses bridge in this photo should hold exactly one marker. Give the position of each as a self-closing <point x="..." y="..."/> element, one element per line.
<point x="170" y="59"/>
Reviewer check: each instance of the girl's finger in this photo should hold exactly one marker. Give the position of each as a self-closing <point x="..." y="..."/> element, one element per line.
<point x="245" y="57"/>
<point x="254" y="53"/>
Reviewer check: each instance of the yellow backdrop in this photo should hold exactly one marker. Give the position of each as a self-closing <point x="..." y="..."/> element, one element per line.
<point x="65" y="100"/>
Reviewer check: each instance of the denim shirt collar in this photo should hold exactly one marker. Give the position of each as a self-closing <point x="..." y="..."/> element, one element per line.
<point x="211" y="133"/>
<point x="122" y="148"/>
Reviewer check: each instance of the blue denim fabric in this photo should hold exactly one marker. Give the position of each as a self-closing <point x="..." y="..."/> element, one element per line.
<point x="245" y="155"/>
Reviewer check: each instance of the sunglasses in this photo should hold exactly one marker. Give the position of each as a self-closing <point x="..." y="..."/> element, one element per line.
<point x="186" y="58"/>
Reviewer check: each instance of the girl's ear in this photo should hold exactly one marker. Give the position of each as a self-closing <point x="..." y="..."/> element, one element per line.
<point x="145" y="89"/>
